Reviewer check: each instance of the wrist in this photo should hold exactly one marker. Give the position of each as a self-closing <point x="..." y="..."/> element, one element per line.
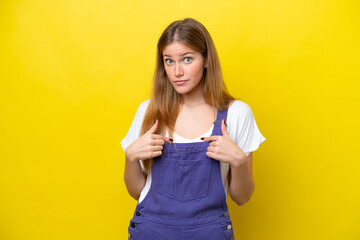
<point x="239" y="161"/>
<point x="129" y="156"/>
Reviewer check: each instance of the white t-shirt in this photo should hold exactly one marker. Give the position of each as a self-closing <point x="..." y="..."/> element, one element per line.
<point x="241" y="126"/>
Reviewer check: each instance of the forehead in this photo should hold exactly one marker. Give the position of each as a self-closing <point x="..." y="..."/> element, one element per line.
<point x="178" y="49"/>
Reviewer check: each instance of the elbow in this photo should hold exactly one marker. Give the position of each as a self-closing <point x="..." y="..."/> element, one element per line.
<point x="243" y="200"/>
<point x="134" y="193"/>
<point x="240" y="201"/>
<point x="135" y="196"/>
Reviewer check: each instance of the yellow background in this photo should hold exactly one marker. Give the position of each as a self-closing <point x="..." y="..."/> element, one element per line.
<point x="74" y="72"/>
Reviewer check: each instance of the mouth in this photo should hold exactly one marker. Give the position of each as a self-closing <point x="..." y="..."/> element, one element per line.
<point x="180" y="82"/>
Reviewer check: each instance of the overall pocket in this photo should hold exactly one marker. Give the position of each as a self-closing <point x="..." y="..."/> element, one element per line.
<point x="184" y="179"/>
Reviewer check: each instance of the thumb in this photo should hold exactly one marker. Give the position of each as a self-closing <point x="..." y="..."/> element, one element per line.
<point x="153" y="128"/>
<point x="224" y="129"/>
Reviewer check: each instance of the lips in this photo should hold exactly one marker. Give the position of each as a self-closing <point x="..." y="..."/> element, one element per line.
<point x="180" y="82"/>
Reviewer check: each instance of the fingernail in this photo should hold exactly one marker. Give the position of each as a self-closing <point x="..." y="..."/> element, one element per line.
<point x="171" y="140"/>
<point x="202" y="138"/>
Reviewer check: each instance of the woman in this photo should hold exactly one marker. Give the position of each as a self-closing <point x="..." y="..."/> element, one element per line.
<point x="189" y="145"/>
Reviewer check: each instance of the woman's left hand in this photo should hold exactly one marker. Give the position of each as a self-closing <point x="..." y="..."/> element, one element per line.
<point x="224" y="149"/>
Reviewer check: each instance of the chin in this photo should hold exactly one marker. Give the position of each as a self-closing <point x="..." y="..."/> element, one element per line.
<point x="182" y="91"/>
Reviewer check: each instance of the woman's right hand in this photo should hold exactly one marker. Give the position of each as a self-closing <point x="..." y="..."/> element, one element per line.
<point x="147" y="146"/>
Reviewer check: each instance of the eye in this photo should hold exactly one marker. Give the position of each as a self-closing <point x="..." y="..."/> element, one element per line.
<point x="188" y="59"/>
<point x="168" y="61"/>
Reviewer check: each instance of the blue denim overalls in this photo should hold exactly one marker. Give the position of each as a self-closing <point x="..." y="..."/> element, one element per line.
<point x="186" y="199"/>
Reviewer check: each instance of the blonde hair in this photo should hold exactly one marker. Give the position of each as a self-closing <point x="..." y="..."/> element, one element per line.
<point x="165" y="101"/>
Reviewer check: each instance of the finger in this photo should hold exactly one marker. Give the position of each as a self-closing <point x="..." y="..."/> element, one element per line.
<point x="224" y="129"/>
<point x="153" y="128"/>
<point x="211" y="149"/>
<point x="166" y="139"/>
<point x="214" y="144"/>
<point x="158" y="142"/>
<point x="156" y="154"/>
<point x="157" y="136"/>
<point x="211" y="155"/>
<point x="157" y="148"/>
<point x="209" y="139"/>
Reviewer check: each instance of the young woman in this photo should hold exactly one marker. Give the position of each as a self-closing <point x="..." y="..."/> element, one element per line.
<point x="189" y="145"/>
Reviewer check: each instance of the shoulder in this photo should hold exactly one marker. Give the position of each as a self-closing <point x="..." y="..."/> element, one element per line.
<point x="239" y="109"/>
<point x="242" y="127"/>
<point x="143" y="106"/>
<point x="135" y="127"/>
<point x="141" y="110"/>
<point x="239" y="117"/>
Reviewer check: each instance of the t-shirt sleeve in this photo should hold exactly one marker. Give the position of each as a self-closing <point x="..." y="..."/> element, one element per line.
<point x="135" y="127"/>
<point x="242" y="127"/>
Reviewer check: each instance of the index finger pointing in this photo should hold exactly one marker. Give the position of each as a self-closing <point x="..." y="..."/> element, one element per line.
<point x="166" y="139"/>
<point x="209" y="139"/>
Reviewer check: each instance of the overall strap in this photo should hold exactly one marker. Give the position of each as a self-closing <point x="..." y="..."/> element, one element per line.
<point x="217" y="123"/>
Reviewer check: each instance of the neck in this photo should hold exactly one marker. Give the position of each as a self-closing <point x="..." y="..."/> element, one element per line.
<point x="195" y="97"/>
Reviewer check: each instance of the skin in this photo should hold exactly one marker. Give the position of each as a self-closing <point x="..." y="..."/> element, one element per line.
<point x="145" y="147"/>
<point x="196" y="117"/>
<point x="224" y="149"/>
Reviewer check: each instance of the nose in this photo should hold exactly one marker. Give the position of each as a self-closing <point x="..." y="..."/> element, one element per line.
<point x="178" y="70"/>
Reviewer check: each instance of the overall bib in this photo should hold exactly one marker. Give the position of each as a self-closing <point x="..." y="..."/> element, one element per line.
<point x="186" y="199"/>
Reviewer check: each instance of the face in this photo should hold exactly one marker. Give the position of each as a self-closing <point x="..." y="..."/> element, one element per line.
<point x="184" y="67"/>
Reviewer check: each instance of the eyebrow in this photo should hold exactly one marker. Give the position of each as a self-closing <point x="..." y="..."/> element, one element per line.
<point x="181" y="54"/>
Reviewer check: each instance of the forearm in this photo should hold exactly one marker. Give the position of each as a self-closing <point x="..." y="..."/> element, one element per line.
<point x="241" y="185"/>
<point x="134" y="177"/>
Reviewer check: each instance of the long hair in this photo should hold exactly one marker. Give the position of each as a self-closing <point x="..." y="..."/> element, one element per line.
<point x="165" y="101"/>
